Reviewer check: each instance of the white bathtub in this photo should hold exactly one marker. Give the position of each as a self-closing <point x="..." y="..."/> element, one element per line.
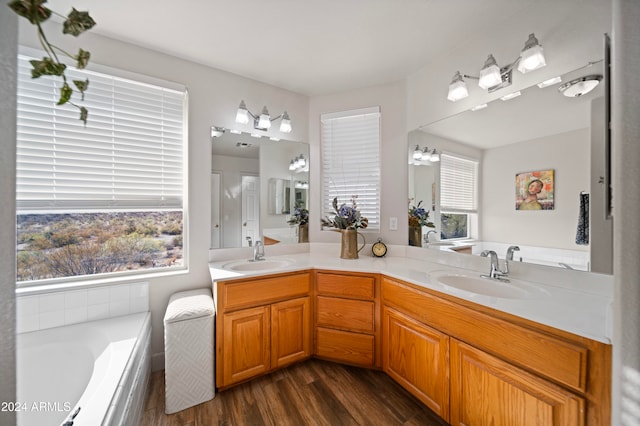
<point x="102" y="367"/>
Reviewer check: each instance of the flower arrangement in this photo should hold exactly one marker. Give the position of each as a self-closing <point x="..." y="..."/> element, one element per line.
<point x="418" y="216"/>
<point x="300" y="216"/>
<point x="347" y="217"/>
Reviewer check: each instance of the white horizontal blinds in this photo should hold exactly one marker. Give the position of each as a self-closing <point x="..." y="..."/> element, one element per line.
<point x="458" y="184"/>
<point x="351" y="161"/>
<point x="129" y="155"/>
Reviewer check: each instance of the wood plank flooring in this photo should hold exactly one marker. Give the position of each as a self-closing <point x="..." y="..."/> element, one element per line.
<point x="313" y="392"/>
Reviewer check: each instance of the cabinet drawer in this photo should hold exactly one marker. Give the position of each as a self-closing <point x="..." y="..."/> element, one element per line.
<point x="355" y="286"/>
<point x="347" y="314"/>
<point x="523" y="346"/>
<point x="261" y="291"/>
<point x="352" y="348"/>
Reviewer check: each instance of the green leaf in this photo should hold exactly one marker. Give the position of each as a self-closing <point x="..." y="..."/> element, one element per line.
<point x="84" y="113"/>
<point x="33" y="10"/>
<point x="46" y="67"/>
<point x="81" y="86"/>
<point x="77" y="23"/>
<point x="65" y="94"/>
<point x="83" y="59"/>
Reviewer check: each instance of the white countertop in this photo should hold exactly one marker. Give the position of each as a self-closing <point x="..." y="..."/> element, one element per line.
<point x="570" y="302"/>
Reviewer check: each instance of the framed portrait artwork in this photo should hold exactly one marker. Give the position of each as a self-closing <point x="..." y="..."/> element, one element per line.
<point x="534" y="190"/>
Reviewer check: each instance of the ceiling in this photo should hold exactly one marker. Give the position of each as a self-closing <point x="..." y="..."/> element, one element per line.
<point x="308" y="47"/>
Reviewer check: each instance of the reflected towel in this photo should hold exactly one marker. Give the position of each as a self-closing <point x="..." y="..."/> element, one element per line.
<point x="582" y="234"/>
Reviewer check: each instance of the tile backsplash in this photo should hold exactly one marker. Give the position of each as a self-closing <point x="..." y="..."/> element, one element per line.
<point x="48" y="310"/>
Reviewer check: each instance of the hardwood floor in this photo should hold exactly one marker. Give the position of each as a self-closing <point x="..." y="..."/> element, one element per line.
<point x="313" y="392"/>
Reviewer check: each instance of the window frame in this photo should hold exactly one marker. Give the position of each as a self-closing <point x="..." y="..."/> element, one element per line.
<point x="181" y="206"/>
<point x="368" y="189"/>
<point x="471" y="209"/>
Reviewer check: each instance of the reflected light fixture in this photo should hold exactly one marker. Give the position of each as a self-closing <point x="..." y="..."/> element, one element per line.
<point x="493" y="77"/>
<point x="425" y="154"/>
<point x="216" y="131"/>
<point x="550" y="82"/>
<point x="298" y="164"/>
<point x="417" y="153"/>
<point x="264" y="120"/>
<point x="580" y="86"/>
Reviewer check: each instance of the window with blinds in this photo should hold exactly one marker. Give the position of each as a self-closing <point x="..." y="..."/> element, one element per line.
<point x="458" y="195"/>
<point x="458" y="184"/>
<point x="110" y="194"/>
<point x="351" y="162"/>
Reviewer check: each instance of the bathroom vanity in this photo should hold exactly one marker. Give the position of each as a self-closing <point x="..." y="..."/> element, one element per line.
<point x="503" y="353"/>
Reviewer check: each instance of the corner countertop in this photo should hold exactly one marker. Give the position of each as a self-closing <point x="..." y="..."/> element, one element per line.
<point x="562" y="301"/>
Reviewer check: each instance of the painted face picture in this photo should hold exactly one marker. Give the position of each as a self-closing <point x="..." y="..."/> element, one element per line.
<point x="534" y="190"/>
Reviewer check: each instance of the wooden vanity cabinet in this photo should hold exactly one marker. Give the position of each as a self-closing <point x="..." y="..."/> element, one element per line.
<point x="417" y="357"/>
<point x="261" y="324"/>
<point x="500" y="369"/>
<point x="347" y="319"/>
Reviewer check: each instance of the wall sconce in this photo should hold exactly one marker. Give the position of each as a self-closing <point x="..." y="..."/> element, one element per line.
<point x="262" y="121"/>
<point x="493" y="77"/>
<point x="426" y="154"/>
<point x="298" y="164"/>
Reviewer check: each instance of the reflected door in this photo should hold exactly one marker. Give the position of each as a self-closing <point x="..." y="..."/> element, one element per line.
<point x="215" y="210"/>
<point x="250" y="210"/>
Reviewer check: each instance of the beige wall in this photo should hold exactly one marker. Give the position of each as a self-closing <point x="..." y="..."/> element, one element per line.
<point x="569" y="155"/>
<point x="392" y="100"/>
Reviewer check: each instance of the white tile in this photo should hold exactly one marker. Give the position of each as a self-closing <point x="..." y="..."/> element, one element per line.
<point x="75" y="299"/>
<point x="75" y="315"/>
<point x="97" y="295"/>
<point x="117" y="308"/>
<point x="139" y="304"/>
<point x="119" y="293"/>
<point x="27" y="305"/>
<point x="27" y="323"/>
<point x="51" y="319"/>
<point x="98" y="311"/>
<point x="139" y="289"/>
<point x="51" y="302"/>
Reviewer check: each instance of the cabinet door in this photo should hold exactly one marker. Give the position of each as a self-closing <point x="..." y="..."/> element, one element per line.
<point x="416" y="356"/>
<point x="488" y="391"/>
<point x="290" y="331"/>
<point x="246" y="344"/>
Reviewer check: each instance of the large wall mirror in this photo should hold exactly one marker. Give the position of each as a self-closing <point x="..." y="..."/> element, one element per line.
<point x="256" y="186"/>
<point x="541" y="129"/>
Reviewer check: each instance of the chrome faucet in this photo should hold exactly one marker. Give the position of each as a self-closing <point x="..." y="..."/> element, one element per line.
<point x="494" y="273"/>
<point x="258" y="251"/>
<point x="509" y="257"/>
<point x="426" y="237"/>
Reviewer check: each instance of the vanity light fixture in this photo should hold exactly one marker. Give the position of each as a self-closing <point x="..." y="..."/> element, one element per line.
<point x="264" y="120"/>
<point x="298" y="164"/>
<point x="425" y="154"/>
<point x="493" y="77"/>
<point x="417" y="153"/>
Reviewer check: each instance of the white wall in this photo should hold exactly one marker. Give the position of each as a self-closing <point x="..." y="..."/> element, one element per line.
<point x="8" y="49"/>
<point x="574" y="26"/>
<point x="392" y="100"/>
<point x="214" y="96"/>
<point x="569" y="155"/>
<point x="626" y="200"/>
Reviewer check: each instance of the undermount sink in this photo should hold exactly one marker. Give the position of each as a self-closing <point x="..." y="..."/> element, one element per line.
<point x="257" y="265"/>
<point x="489" y="287"/>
